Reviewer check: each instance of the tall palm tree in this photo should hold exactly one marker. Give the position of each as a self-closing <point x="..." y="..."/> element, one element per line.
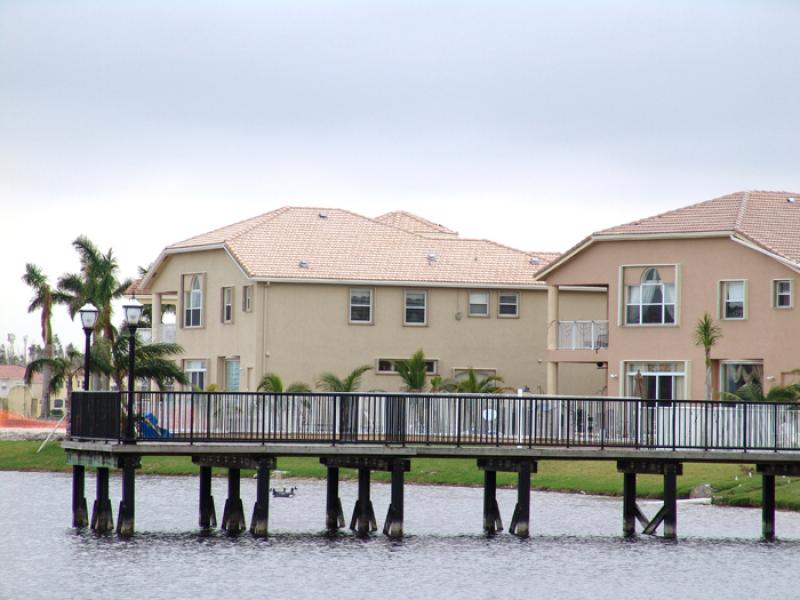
<point x="44" y="297"/>
<point x="471" y="384"/>
<point x="331" y="383"/>
<point x="706" y="334"/>
<point x="64" y="370"/>
<point x="97" y="282"/>
<point x="151" y="361"/>
<point x="271" y="382"/>
<point x="413" y="371"/>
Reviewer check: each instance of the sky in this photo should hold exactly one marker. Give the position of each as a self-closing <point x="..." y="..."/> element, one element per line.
<point x="533" y="124"/>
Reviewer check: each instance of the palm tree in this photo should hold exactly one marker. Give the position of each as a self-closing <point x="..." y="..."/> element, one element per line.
<point x="752" y="392"/>
<point x="471" y="384"/>
<point x="97" y="282"/>
<point x="440" y="384"/>
<point x="706" y="334"/>
<point x="331" y="383"/>
<point x="413" y="371"/>
<point x="43" y="299"/>
<point x="151" y="361"/>
<point x="64" y="370"/>
<point x="271" y="382"/>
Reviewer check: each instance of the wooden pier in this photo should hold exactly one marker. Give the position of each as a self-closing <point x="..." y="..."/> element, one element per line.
<point x="381" y="432"/>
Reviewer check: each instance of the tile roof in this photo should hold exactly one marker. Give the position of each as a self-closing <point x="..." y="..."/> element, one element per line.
<point x="17" y="372"/>
<point x="414" y="223"/>
<point x="301" y="243"/>
<point x="769" y="219"/>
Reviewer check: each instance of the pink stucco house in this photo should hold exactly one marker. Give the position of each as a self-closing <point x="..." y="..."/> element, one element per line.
<point x="736" y="257"/>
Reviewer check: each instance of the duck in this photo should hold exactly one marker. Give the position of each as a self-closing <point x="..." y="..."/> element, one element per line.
<point x="284" y="493"/>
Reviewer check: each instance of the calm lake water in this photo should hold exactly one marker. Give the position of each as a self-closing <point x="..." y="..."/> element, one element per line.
<point x="576" y="550"/>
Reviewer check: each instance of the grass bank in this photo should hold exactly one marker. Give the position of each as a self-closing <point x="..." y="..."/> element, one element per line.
<point x="734" y="485"/>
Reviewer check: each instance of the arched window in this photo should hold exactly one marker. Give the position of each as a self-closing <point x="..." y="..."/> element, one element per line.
<point x="193" y="302"/>
<point x="652" y="302"/>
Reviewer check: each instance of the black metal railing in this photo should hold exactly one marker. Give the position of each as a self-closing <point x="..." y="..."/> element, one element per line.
<point x="441" y="419"/>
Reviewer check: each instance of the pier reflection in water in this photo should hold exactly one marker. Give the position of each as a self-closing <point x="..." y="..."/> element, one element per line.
<point x="575" y="550"/>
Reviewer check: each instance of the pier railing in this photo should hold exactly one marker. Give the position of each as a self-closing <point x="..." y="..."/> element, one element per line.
<point x="440" y="419"/>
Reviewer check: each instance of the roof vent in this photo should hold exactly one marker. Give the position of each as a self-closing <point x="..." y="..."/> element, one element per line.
<point x="303" y="264"/>
<point x="535" y="260"/>
<point x="323" y="215"/>
<point x="432" y="258"/>
<point x="791" y="199"/>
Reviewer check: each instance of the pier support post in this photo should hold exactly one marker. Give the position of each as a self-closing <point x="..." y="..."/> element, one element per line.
<point x="520" y="522"/>
<point x="80" y="513"/>
<point x="393" y="527"/>
<point x="670" y="501"/>
<point x="363" y="521"/>
<point x="629" y="504"/>
<point x="768" y="507"/>
<point x="208" y="514"/>
<point x="127" y="506"/>
<point x="102" y="518"/>
<point x="492" y="523"/>
<point x="233" y="515"/>
<point x="334" y="516"/>
<point x="259" y="524"/>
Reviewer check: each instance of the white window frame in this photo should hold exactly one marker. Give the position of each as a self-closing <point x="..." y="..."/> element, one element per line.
<point x="431" y="366"/>
<point x="777" y="293"/>
<point x="501" y="304"/>
<point x="639" y="288"/>
<point x="723" y="301"/>
<point x="478" y="295"/>
<point x="630" y="377"/>
<point x="193" y="298"/>
<point x="370" y="306"/>
<point x="236" y="363"/>
<point x="724" y="364"/>
<point x="480" y="372"/>
<point x="423" y="308"/>
<point x="193" y="366"/>
<point x="247" y="298"/>
<point x="227" y="304"/>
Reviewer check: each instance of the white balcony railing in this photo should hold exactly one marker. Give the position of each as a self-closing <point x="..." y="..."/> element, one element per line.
<point x="145" y="334"/>
<point x="582" y="335"/>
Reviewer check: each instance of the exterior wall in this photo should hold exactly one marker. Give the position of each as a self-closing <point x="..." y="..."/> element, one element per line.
<point x="766" y="334"/>
<point x="302" y="330"/>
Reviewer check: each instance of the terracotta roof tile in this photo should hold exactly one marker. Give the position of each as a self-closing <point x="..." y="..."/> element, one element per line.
<point x="333" y="244"/>
<point x="413" y="223"/>
<point x="768" y="219"/>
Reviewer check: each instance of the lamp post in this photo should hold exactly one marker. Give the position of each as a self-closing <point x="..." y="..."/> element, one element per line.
<point x="88" y="314"/>
<point x="133" y="312"/>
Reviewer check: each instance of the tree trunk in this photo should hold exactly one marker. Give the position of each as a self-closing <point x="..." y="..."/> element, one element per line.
<point x="709" y="385"/>
<point x="47" y="375"/>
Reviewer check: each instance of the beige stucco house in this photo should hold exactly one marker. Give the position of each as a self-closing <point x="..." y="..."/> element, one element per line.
<point x="301" y="291"/>
<point x="736" y="257"/>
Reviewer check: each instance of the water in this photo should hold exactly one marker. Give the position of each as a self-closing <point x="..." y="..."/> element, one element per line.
<point x="575" y="551"/>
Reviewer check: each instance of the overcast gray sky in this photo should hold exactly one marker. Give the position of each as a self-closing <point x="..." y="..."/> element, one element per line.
<point x="530" y="123"/>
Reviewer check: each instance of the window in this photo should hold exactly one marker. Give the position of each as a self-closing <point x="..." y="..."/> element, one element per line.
<point x="416" y="308"/>
<point x="479" y="304"/>
<point x="734" y="375"/>
<point x="461" y="374"/>
<point x="193" y="301"/>
<point x="227" y="305"/>
<point x="196" y="372"/>
<point x="733" y="301"/>
<point x="656" y="380"/>
<point x="232" y="375"/>
<point x="389" y="365"/>
<point x="361" y="305"/>
<point x="247" y="298"/>
<point x="652" y="302"/>
<point x="782" y="293"/>
<point x="508" y="304"/>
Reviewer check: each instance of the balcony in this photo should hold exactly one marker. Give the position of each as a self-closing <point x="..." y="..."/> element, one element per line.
<point x="145" y="334"/>
<point x="582" y="335"/>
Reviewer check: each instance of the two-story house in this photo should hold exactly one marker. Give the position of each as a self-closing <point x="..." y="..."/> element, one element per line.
<point x="301" y="291"/>
<point x="736" y="258"/>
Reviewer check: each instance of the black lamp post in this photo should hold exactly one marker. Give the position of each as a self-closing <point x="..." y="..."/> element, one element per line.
<point x="88" y="314"/>
<point x="133" y="312"/>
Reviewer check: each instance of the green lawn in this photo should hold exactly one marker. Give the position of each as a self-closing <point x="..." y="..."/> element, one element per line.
<point x="732" y="484"/>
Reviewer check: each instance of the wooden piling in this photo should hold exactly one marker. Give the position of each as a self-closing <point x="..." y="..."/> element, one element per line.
<point x="208" y="514"/>
<point x="520" y="522"/>
<point x="492" y="523"/>
<point x="127" y="506"/>
<point x="670" y="501"/>
<point x="233" y="515"/>
<point x="102" y="517"/>
<point x="393" y="527"/>
<point x="768" y="507"/>
<point x="629" y="504"/>
<point x="334" y="516"/>
<point x="363" y="521"/>
<point x="259" y="524"/>
<point x="80" y="513"/>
